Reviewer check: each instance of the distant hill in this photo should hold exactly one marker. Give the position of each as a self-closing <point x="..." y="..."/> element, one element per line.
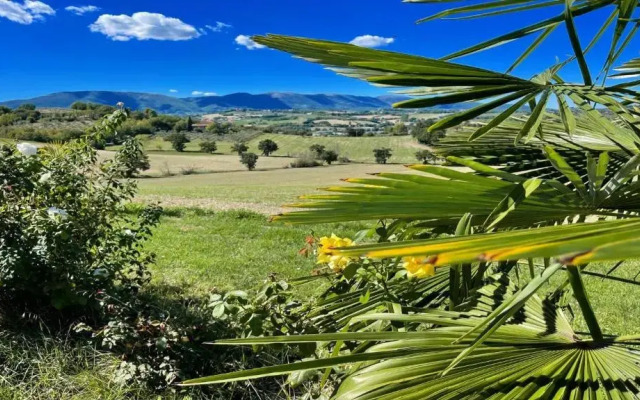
<point x="198" y="105"/>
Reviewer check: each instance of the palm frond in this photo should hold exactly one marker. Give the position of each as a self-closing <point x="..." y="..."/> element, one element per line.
<point x="535" y="354"/>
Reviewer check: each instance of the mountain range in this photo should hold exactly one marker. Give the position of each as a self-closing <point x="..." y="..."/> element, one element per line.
<point x="199" y="105"/>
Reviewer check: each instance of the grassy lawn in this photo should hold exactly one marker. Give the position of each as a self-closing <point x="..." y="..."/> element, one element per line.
<point x="199" y="251"/>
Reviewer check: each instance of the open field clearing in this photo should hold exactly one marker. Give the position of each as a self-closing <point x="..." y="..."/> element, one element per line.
<point x="197" y="163"/>
<point x="358" y="149"/>
<point x="262" y="191"/>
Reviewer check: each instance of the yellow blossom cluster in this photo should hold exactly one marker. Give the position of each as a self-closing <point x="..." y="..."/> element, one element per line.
<point x="336" y="262"/>
<point x="418" y="267"/>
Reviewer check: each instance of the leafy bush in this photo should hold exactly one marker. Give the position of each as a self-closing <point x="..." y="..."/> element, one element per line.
<point x="208" y="146"/>
<point x="131" y="158"/>
<point x="64" y="238"/>
<point x="329" y="156"/>
<point x="178" y="141"/>
<point x="317" y="150"/>
<point x="425" y="156"/>
<point x="382" y="155"/>
<point x="249" y="160"/>
<point x="305" y="162"/>
<point x="267" y="146"/>
<point x="240" y="147"/>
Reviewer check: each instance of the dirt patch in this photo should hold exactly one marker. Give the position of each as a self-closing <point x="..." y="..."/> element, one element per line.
<point x="209" y="204"/>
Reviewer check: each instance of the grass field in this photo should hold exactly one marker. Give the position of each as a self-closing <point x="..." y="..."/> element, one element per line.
<point x="262" y="191"/>
<point x="199" y="251"/>
<point x="356" y="149"/>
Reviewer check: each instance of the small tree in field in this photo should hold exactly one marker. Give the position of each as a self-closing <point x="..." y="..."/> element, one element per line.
<point x="382" y="155"/>
<point x="240" y="147"/>
<point x="189" y="124"/>
<point x="317" y="150"/>
<point x="267" y="147"/>
<point x="249" y="160"/>
<point x="208" y="146"/>
<point x="131" y="158"/>
<point x="329" y="156"/>
<point x="425" y="156"/>
<point x="178" y="141"/>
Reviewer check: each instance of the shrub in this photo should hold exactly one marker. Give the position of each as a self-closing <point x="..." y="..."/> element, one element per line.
<point x="344" y="160"/>
<point x="178" y="141"/>
<point x="329" y="156"/>
<point x="267" y="146"/>
<point x="382" y="155"/>
<point x="249" y="160"/>
<point x="317" y="150"/>
<point x="239" y="147"/>
<point x="305" y="162"/>
<point x="131" y="159"/>
<point x="180" y="126"/>
<point x="425" y="156"/>
<point x="64" y="238"/>
<point x="208" y="146"/>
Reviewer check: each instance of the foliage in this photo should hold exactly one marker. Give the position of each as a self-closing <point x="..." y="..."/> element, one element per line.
<point x="399" y="129"/>
<point x="267" y="146"/>
<point x="382" y="155"/>
<point x="355" y="132"/>
<point x="239" y="147"/>
<point x="208" y="146"/>
<point x="249" y="160"/>
<point x="305" y="162"/>
<point x="317" y="150"/>
<point x="221" y="129"/>
<point x="329" y="156"/>
<point x="64" y="237"/>
<point x="131" y="158"/>
<point x="178" y="141"/>
<point x="426" y="156"/>
<point x="565" y="199"/>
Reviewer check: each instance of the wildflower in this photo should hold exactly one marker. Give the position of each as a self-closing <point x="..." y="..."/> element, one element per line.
<point x="418" y="267"/>
<point x="54" y="211"/>
<point x="336" y="262"/>
<point x="120" y="105"/>
<point x="27" y="149"/>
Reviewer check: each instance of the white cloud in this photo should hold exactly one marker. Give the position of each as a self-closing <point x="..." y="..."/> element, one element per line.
<point x="143" y="26"/>
<point x="218" y="27"/>
<point x="371" y="41"/>
<point x="200" y="93"/>
<point x="25" y="13"/>
<point x="81" y="10"/>
<point x="173" y="90"/>
<point x="246" y="41"/>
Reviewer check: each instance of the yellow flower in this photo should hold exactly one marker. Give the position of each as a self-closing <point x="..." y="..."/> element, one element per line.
<point x="418" y="267"/>
<point x="336" y="262"/>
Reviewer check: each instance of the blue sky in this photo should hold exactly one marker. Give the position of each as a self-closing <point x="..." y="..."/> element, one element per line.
<point x="104" y="45"/>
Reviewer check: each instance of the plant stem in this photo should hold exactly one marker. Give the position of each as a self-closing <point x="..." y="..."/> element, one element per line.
<point x="575" y="278"/>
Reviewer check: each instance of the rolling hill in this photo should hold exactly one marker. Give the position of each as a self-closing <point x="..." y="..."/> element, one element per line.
<point x="198" y="105"/>
<point x="175" y="105"/>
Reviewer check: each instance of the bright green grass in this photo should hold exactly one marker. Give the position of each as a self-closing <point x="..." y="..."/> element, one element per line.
<point x="199" y="251"/>
<point x="356" y="149"/>
<point x="238" y="249"/>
